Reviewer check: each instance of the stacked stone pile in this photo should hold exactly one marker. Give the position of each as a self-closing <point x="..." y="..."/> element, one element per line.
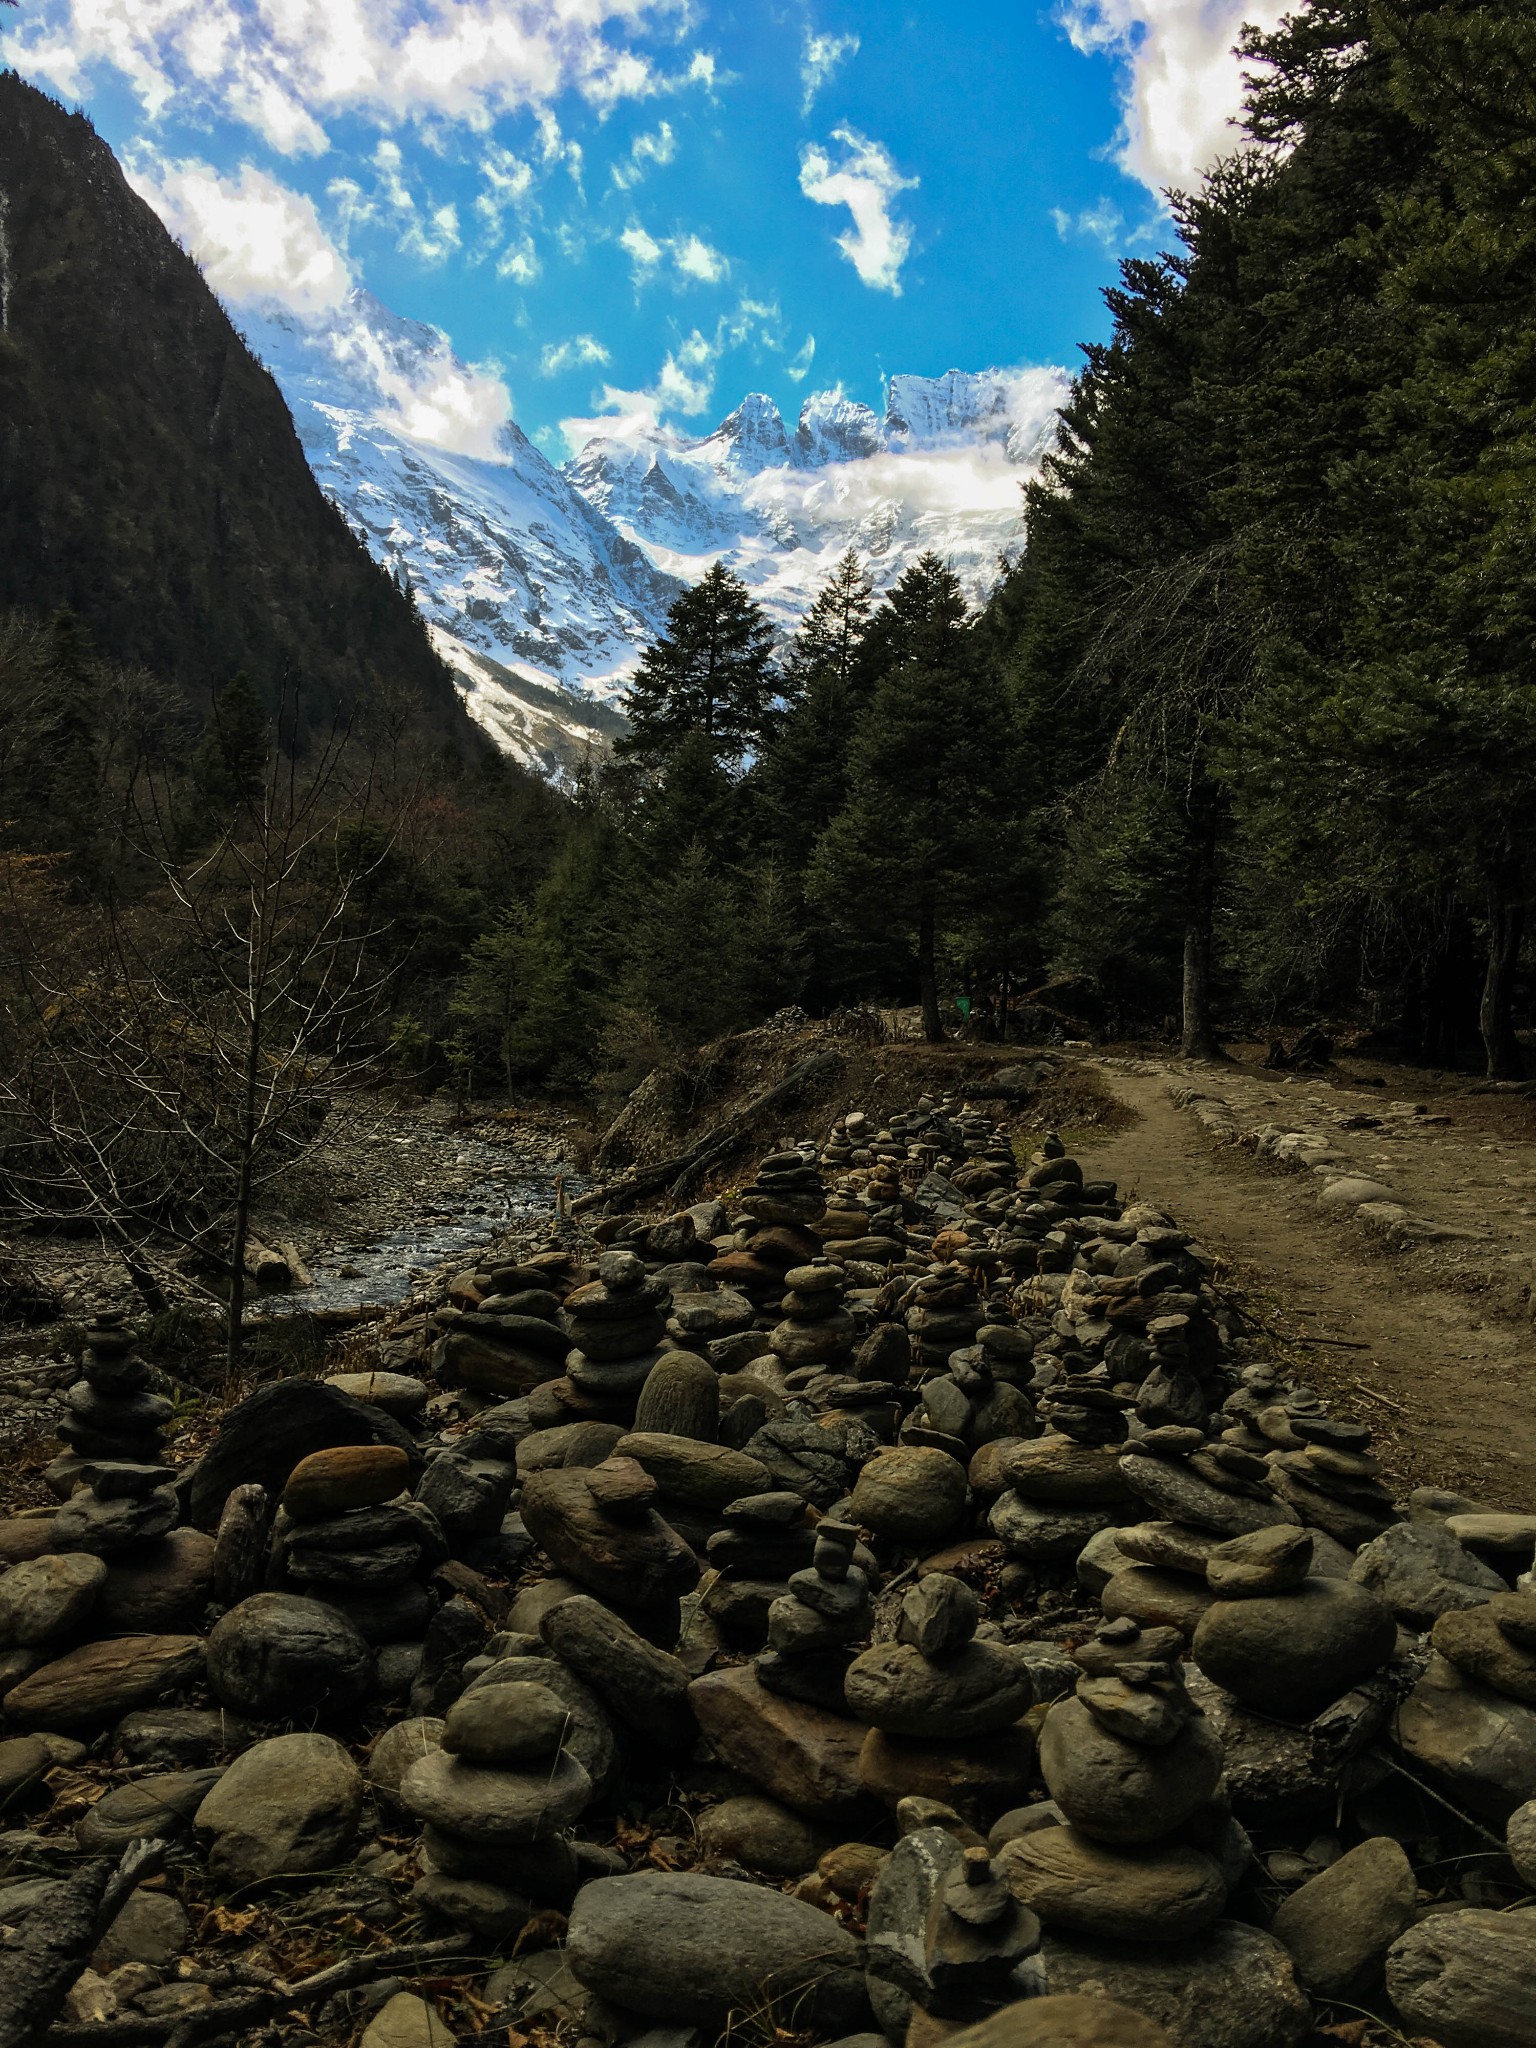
<point x="1177" y="1723"/>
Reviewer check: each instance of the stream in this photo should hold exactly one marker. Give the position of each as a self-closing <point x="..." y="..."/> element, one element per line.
<point x="375" y="1272"/>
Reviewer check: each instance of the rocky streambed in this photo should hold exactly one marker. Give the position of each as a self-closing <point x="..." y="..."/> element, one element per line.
<point x="899" y="1602"/>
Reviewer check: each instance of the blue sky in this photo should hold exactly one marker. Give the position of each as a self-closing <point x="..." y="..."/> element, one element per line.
<point x="642" y="205"/>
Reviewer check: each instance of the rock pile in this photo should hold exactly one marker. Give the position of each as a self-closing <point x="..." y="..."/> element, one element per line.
<point x="1173" y="1722"/>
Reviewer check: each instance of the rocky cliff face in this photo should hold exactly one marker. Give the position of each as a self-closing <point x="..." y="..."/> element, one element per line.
<point x="150" y="475"/>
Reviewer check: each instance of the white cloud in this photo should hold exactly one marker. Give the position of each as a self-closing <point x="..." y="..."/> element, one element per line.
<point x="657" y="147"/>
<point x="819" y="58"/>
<point x="566" y="355"/>
<point x="1181" y="83"/>
<point x="287" y="67"/>
<point x="866" y="182"/>
<point x="684" y="384"/>
<point x="519" y="261"/>
<point x="799" y="368"/>
<point x="690" y="255"/>
<point x="254" y="237"/>
<point x="1102" y="222"/>
<point x="505" y="183"/>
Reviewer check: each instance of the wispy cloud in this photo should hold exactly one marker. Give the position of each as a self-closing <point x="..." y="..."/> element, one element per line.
<point x="1180" y="84"/>
<point x="688" y="256"/>
<point x="286" y="68"/>
<point x="254" y="236"/>
<point x="820" y="57"/>
<point x="569" y="355"/>
<point x="657" y="147"/>
<point x="798" y="368"/>
<point x="685" y="382"/>
<point x="866" y="181"/>
<point x="1102" y="222"/>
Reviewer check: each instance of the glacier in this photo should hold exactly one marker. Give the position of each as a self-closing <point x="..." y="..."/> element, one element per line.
<point x="540" y="584"/>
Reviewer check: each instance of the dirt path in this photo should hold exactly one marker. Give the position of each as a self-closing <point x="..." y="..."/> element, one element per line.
<point x="1462" y="1377"/>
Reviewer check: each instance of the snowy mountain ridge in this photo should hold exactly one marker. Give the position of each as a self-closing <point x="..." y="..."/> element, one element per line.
<point x="542" y="584"/>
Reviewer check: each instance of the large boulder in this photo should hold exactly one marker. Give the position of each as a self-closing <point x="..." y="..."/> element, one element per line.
<point x="1291" y="1653"/>
<point x="1158" y="1894"/>
<point x="680" y="1947"/>
<point x="1476" y="1744"/>
<point x="263" y="1437"/>
<point x="1338" y="1927"/>
<point x="798" y="1754"/>
<point x="288" y="1804"/>
<point x="277" y="1656"/>
<point x="1465" y="1979"/>
<point x="1231" y="1988"/>
<point x="1420" y="1571"/>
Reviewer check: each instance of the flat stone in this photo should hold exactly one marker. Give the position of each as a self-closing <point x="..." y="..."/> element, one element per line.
<point x="1179" y="1495"/>
<point x="798" y="1754"/>
<point x="397" y="1393"/>
<point x="45" y="1598"/>
<point x="90" y="1688"/>
<point x="1055" y="1468"/>
<point x="1501" y="1535"/>
<point x="159" y="1588"/>
<point x="1065" y="2021"/>
<point x="278" y="1655"/>
<point x="181" y="1738"/>
<point x="1045" y="1530"/>
<point x="1156" y="1599"/>
<point x="976" y="1690"/>
<point x="1119" y="1791"/>
<point x="701" y="1475"/>
<point x="290" y="1803"/>
<point x="513" y="1724"/>
<point x="1421" y="1571"/>
<point x="1264" y="1561"/>
<point x="1338" y="1927"/>
<point x="1476" y="1643"/>
<point x="643" y="1687"/>
<point x="1162" y="1893"/>
<point x="634" y="1562"/>
<point x="494" y="1806"/>
<point x="1464" y="1979"/>
<point x="1232" y="1987"/>
<point x="1291" y="1653"/>
<point x="162" y="1805"/>
<point x="589" y="1738"/>
<point x="676" y="1945"/>
<point x="978" y="1777"/>
<point x="1478" y="1745"/>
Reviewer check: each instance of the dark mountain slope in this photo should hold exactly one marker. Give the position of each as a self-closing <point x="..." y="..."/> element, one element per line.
<point x="150" y="476"/>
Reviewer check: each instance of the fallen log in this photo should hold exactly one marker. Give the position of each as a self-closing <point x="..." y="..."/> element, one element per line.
<point x="676" y="1174"/>
<point x="56" y="1942"/>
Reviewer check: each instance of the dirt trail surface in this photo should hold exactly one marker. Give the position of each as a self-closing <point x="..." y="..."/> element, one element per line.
<point x="1438" y="1350"/>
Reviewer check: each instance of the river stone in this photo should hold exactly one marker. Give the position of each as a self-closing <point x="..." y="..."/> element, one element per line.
<point x="263" y="1437"/>
<point x="90" y="1688"/>
<point x="912" y="1495"/>
<point x="681" y="1397"/>
<point x="1163" y="1893"/>
<point x="1170" y="1546"/>
<point x="510" y="1725"/>
<point x="1043" y="1530"/>
<point x="920" y="1865"/>
<point x="1179" y="1495"/>
<point x="1520" y="1839"/>
<point x="642" y="1686"/>
<point x="161" y="1805"/>
<point x="24" y="1759"/>
<point x="152" y="1929"/>
<point x="469" y="1497"/>
<point x="635" y="1562"/>
<point x="406" y="2021"/>
<point x="278" y="1655"/>
<point x="397" y="1393"/>
<point x="705" y="1476"/>
<point x="1476" y="1743"/>
<point x="1420" y="1571"/>
<point x="1119" y="1791"/>
<point x="679" y="1946"/>
<point x="1291" y="1653"/>
<point x="1476" y="1643"/>
<point x="1338" y="1927"/>
<point x="798" y="1754"/>
<point x="1064" y="2021"/>
<point x="760" y="1834"/>
<point x="1099" y="1560"/>
<point x="588" y="1736"/>
<point x="494" y="1806"/>
<point x="159" y="1588"/>
<point x="978" y="1778"/>
<point x="48" y="1597"/>
<point x="1264" y="1561"/>
<point x="349" y="1476"/>
<point x="1156" y="1599"/>
<point x="400" y="1746"/>
<point x="290" y="1803"/>
<point x="975" y="1691"/>
<point x="1465" y="1979"/>
<point x="1055" y="1468"/>
<point x="1233" y="1987"/>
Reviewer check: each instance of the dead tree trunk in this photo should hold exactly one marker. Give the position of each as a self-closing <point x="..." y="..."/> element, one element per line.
<point x="928" y="977"/>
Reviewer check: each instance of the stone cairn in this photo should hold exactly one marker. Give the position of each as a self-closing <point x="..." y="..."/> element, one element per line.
<point x="1179" y="1724"/>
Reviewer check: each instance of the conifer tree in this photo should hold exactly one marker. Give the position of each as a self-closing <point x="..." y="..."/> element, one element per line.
<point x="710" y="672"/>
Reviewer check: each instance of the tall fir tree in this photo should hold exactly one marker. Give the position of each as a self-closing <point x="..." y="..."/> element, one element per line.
<point x="710" y="672"/>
